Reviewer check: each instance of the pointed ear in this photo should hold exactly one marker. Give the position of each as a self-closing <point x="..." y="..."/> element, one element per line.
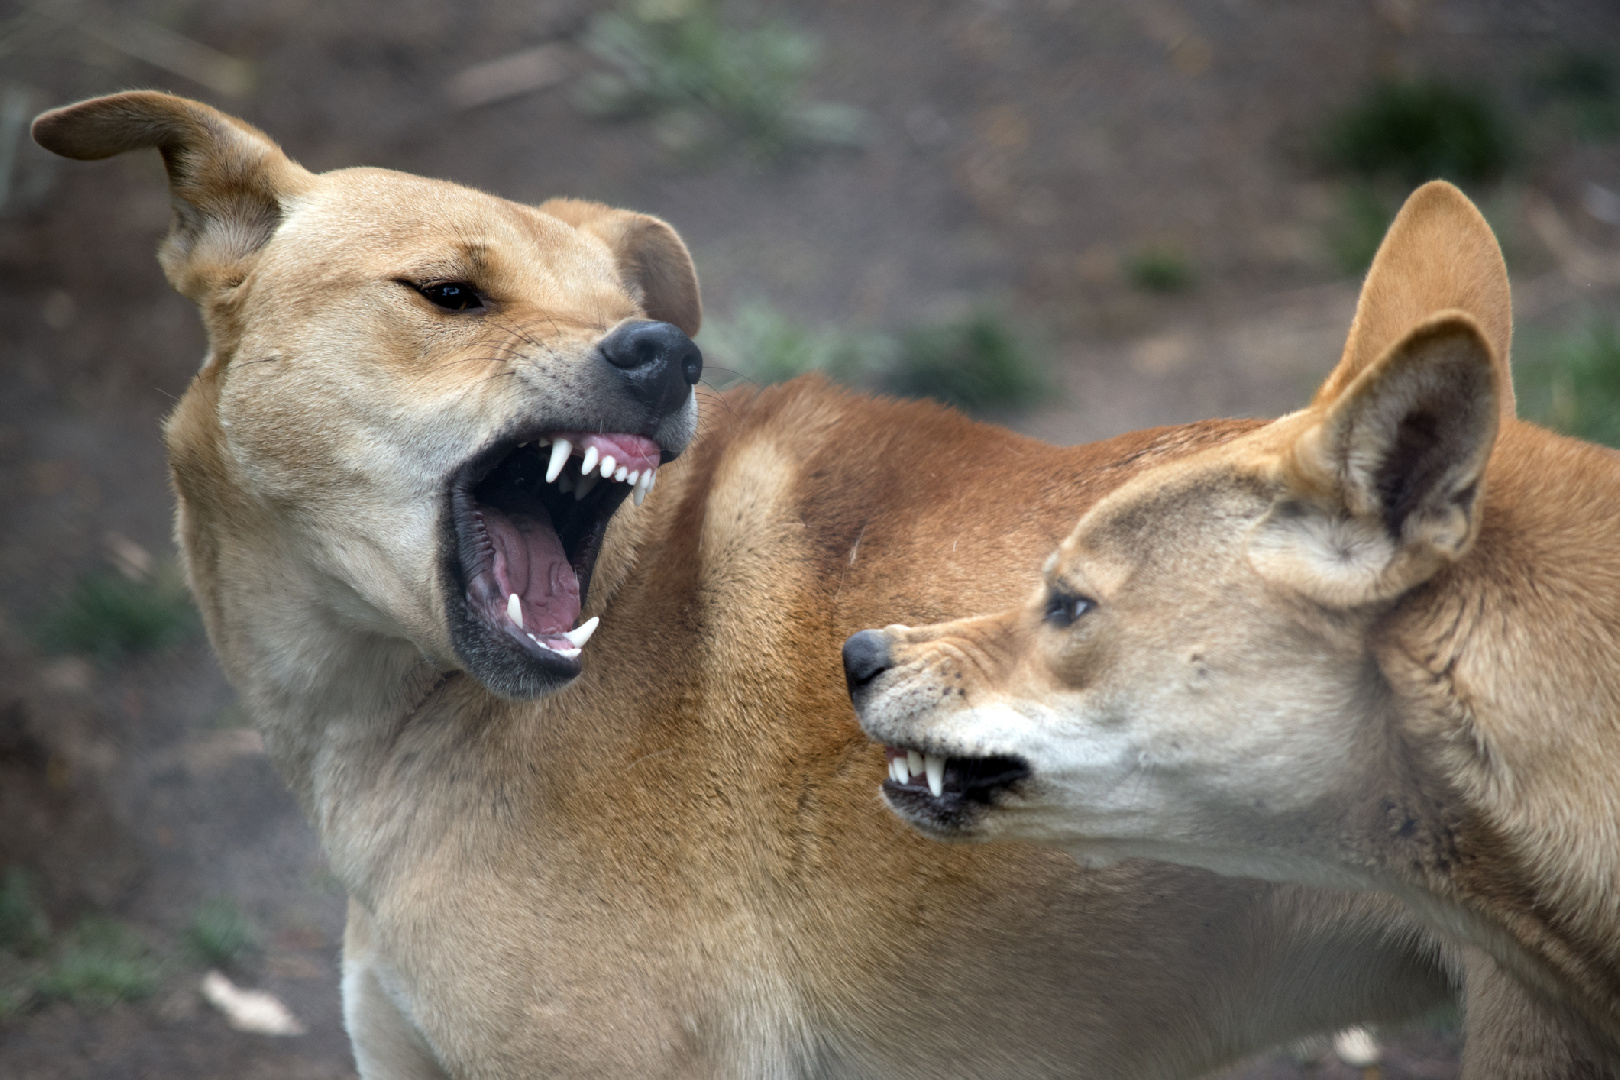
<point x="227" y="179"/>
<point x="652" y="259"/>
<point x="1381" y="488"/>
<point x="1439" y="255"/>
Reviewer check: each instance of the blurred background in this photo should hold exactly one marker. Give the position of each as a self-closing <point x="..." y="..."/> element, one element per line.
<point x="1076" y="217"/>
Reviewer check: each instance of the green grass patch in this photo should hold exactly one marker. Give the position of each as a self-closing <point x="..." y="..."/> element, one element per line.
<point x="1159" y="269"/>
<point x="1408" y="132"/>
<point x="1358" y="225"/>
<point x="1570" y="380"/>
<point x="218" y="934"/>
<point x="107" y="615"/>
<point x="1585" y="87"/>
<point x="710" y="81"/>
<point x="24" y="929"/>
<point x="99" y="963"/>
<point x="977" y="364"/>
<point x="763" y="345"/>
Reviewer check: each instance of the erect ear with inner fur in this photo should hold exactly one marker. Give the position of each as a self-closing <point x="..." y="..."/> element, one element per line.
<point x="1439" y="255"/>
<point x="1383" y="488"/>
<point x="651" y="257"/>
<point x="227" y="178"/>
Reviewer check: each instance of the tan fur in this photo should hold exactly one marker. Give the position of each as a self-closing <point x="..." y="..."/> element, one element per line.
<point x="674" y="865"/>
<point x="1373" y="643"/>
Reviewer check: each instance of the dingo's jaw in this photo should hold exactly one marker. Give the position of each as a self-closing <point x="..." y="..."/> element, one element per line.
<point x="526" y="521"/>
<point x="940" y="786"/>
<point x="944" y="795"/>
<point x="526" y="518"/>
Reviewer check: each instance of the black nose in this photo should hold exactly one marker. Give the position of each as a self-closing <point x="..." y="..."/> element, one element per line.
<point x="657" y="361"/>
<point x="866" y="656"/>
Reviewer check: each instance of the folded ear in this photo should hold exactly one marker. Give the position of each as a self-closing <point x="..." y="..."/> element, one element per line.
<point x="652" y="259"/>
<point x="227" y="179"/>
<point x="1381" y="487"/>
<point x="1439" y="255"/>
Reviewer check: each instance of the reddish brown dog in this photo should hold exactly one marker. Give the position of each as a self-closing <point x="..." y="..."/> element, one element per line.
<point x="654" y="851"/>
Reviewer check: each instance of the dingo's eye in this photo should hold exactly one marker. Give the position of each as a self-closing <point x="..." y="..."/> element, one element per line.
<point x="452" y="295"/>
<point x="1062" y="609"/>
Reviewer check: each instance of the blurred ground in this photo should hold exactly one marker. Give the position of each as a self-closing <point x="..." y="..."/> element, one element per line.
<point x="1017" y="153"/>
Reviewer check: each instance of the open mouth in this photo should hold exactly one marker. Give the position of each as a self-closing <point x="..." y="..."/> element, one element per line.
<point x="529" y="520"/>
<point x="943" y="792"/>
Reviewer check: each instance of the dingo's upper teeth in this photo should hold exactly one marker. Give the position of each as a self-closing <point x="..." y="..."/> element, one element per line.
<point x="897" y="767"/>
<point x="638" y="494"/>
<point x="633" y="478"/>
<point x="607" y="466"/>
<point x="514" y="609"/>
<point x="620" y="473"/>
<point x="935" y="768"/>
<point x="914" y="762"/>
<point x="590" y="461"/>
<point x="586" y="482"/>
<point x="559" y="454"/>
<point x="579" y="636"/>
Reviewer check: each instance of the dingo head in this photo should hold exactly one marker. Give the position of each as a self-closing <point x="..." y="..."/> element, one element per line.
<point x="1186" y="683"/>
<point x="410" y="390"/>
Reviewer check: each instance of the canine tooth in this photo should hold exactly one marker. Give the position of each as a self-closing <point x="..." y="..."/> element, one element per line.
<point x="586" y="482"/>
<point x="579" y="636"/>
<point x="914" y="762"/>
<point x="514" y="609"/>
<point x="652" y="477"/>
<point x="639" y="494"/>
<point x="559" y="454"/>
<point x="935" y="768"/>
<point x="590" y="461"/>
<point x="622" y="472"/>
<point x="607" y="466"/>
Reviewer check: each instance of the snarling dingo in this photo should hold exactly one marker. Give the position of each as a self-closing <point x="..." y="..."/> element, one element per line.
<point x="579" y="747"/>
<point x="1375" y="643"/>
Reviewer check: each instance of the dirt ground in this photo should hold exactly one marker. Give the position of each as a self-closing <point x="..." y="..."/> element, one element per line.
<point x="1016" y="153"/>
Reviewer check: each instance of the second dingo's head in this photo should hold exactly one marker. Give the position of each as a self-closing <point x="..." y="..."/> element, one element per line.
<point x="1186" y="682"/>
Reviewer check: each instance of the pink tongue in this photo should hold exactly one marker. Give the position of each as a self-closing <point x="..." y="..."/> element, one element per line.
<point x="529" y="561"/>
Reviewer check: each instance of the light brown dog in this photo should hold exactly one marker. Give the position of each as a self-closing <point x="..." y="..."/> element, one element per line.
<point x="1375" y="643"/>
<point x="656" y="854"/>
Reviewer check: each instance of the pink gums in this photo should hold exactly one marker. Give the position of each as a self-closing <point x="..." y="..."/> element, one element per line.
<point x="636" y="453"/>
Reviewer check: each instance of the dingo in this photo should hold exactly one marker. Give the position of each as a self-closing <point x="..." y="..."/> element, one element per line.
<point x="402" y="476"/>
<point x="1374" y="643"/>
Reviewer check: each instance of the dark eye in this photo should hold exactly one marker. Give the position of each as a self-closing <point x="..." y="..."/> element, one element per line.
<point x="452" y="295"/>
<point x="1062" y="609"/>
